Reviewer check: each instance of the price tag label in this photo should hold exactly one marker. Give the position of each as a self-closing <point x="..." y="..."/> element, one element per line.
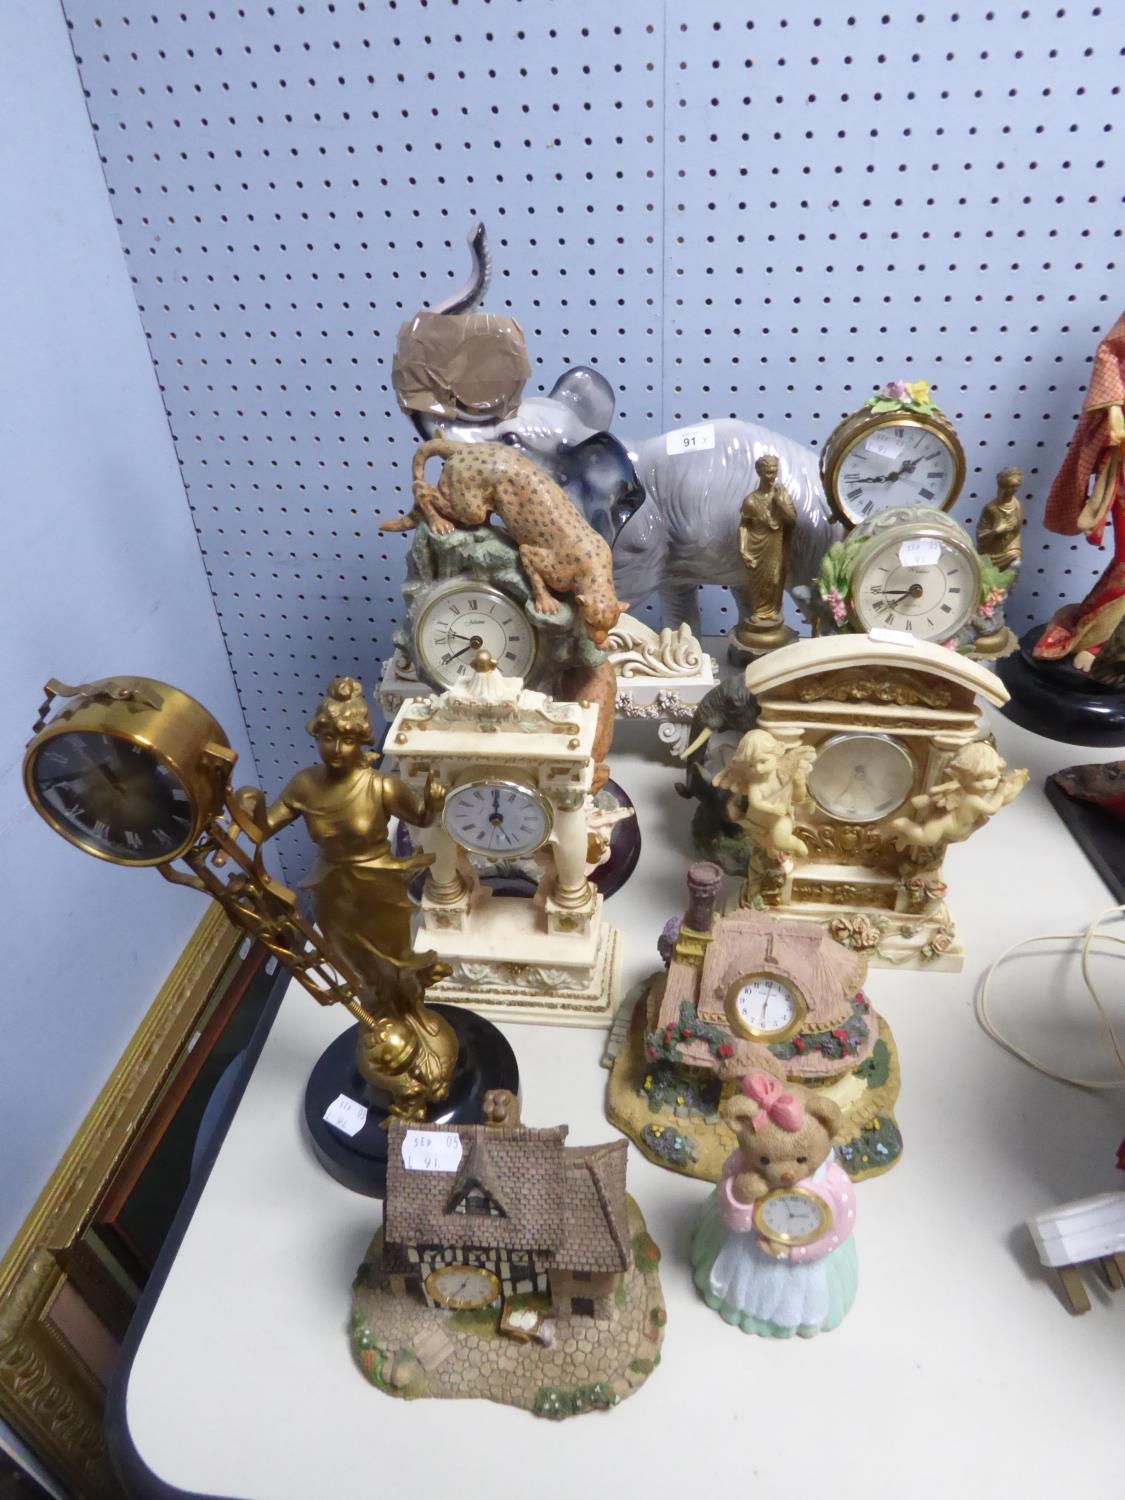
<point x="920" y="552"/>
<point x="431" y="1151"/>
<point x="887" y="444"/>
<point x="346" y="1115"/>
<point x="892" y="637"/>
<point x="691" y="439"/>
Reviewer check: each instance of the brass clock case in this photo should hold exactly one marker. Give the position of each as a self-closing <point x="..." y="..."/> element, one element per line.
<point x="860" y="425"/>
<point x="758" y="1034"/>
<point x="488" y="1287"/>
<point x="175" y="733"/>
<point x="784" y="1237"/>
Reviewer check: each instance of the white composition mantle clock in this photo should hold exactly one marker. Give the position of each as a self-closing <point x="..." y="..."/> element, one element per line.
<point x="517" y="767"/>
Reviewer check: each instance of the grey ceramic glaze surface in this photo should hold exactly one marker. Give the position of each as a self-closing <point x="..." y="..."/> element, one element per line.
<point x="686" y="532"/>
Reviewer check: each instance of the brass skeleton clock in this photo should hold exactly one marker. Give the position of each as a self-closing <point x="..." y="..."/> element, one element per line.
<point x="136" y="772"/>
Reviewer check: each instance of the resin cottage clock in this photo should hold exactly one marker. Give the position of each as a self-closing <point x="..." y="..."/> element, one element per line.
<point x="518" y="767"/>
<point x="865" y="763"/>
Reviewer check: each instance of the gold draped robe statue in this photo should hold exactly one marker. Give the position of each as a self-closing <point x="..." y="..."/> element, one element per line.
<point x="360" y="894"/>
<point x="765" y="534"/>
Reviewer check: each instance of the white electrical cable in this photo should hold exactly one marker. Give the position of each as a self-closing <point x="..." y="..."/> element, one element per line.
<point x="1087" y="937"/>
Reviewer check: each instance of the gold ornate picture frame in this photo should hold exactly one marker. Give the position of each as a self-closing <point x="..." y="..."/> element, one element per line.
<point x="55" y="1353"/>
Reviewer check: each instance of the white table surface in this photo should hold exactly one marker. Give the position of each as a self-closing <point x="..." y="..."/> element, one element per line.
<point x="957" y="1369"/>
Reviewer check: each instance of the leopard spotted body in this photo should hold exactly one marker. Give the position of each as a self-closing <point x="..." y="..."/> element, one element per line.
<point x="558" y="549"/>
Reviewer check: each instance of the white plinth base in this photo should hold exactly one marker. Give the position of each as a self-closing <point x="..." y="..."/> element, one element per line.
<point x="557" y="981"/>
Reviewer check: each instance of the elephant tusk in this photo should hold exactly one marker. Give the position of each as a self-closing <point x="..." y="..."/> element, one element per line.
<point x="701" y="739"/>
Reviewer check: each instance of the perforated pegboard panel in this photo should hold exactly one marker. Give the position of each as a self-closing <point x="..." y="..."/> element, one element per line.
<point x="730" y="216"/>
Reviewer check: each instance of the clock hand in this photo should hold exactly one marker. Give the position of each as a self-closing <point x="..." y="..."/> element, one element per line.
<point x="913" y="592"/>
<point x="474" y="645"/>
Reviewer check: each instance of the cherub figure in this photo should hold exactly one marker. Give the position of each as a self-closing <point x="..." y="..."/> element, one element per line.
<point x="767" y="779"/>
<point x="950" y="812"/>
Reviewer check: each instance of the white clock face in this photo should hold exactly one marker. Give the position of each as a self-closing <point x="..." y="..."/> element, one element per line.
<point x="794" y="1216"/>
<point x="464" y="618"/>
<point x="925" y="585"/>
<point x="462" y="1286"/>
<point x="763" y="1006"/>
<point x="498" y="818"/>
<point x="861" y="778"/>
<point x="904" y="464"/>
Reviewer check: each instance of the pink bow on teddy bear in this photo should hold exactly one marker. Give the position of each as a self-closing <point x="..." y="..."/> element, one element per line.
<point x="785" y="1110"/>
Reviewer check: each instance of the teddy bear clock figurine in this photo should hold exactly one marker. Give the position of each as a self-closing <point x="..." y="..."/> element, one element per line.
<point x="773" y="1252"/>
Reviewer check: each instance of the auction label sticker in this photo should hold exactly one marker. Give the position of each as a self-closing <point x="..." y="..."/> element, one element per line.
<point x="346" y="1115"/>
<point x="690" y="439"/>
<point x="431" y="1151"/>
<point x="920" y="552"/>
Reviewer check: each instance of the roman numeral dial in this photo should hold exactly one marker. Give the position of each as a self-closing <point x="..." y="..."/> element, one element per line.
<point x="917" y="577"/>
<point x="875" y="462"/>
<point x="462" y="618"/>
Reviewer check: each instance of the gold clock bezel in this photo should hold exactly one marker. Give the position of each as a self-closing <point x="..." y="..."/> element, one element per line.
<point x="466" y="586"/>
<point x="489" y="783"/>
<point x="861" y="424"/>
<point x="170" y="726"/>
<point x="752" y="1033"/>
<point x="780" y="1237"/>
<point x="863" y="734"/>
<point x="460" y="1304"/>
<point x="895" y="536"/>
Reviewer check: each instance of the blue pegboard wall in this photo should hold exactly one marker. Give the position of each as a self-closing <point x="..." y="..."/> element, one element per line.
<point x="760" y="217"/>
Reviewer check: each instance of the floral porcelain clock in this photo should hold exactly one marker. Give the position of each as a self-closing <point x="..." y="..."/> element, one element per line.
<point x="897" y="449"/>
<point x="743" y="991"/>
<point x="517" y="767"/>
<point x="915" y="570"/>
<point x="864" y="764"/>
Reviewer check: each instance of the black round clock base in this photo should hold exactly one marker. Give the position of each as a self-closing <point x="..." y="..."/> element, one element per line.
<point x="485" y="1061"/>
<point x="1055" y="699"/>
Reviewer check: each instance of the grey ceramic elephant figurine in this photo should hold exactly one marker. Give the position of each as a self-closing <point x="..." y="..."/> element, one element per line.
<point x="669" y="511"/>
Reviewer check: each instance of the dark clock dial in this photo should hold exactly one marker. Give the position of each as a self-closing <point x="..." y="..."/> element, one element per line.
<point x="111" y="796"/>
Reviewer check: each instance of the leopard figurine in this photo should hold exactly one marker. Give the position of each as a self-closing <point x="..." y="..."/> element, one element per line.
<point x="558" y="549"/>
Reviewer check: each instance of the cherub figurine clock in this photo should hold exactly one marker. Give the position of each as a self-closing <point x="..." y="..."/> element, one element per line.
<point x="518" y="767"/>
<point x="865" y="763"/>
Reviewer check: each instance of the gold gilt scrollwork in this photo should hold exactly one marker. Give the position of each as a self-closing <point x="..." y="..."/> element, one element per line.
<point x="849" y="844"/>
<point x="842" y="893"/>
<point x="859" y="685"/>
